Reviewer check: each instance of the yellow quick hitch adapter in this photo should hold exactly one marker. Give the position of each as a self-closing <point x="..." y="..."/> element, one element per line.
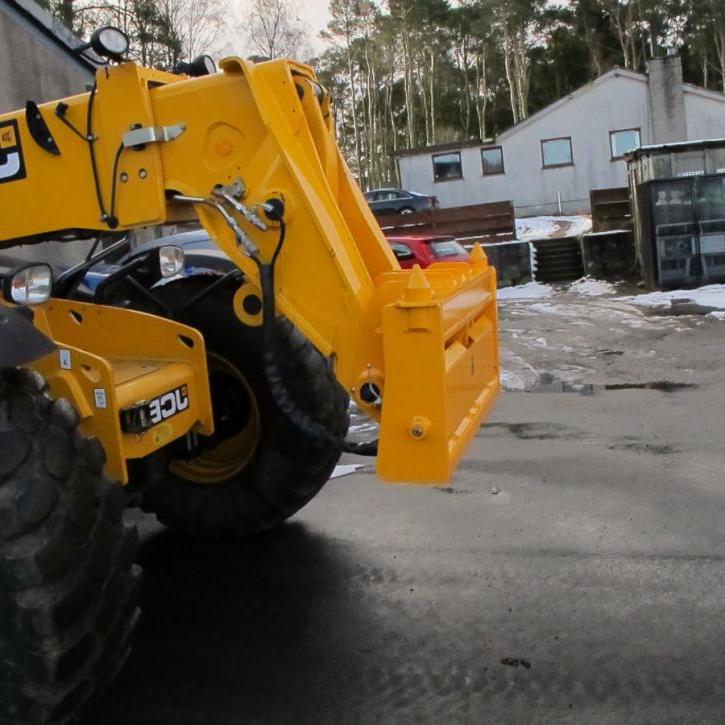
<point x="441" y="366"/>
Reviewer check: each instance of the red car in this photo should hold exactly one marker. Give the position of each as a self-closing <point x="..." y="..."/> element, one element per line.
<point x="424" y="250"/>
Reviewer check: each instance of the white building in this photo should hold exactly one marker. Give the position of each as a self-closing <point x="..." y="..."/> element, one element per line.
<point x="551" y="160"/>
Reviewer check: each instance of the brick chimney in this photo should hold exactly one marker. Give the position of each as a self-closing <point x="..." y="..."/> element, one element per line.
<point x="666" y="100"/>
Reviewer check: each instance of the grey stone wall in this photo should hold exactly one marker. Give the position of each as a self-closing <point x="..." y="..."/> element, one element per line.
<point x="34" y="66"/>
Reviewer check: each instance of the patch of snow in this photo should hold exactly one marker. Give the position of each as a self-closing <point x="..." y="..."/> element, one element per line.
<point x="511" y="382"/>
<point x="712" y="295"/>
<point x="535" y="228"/>
<point x="550" y="227"/>
<point x="365" y="427"/>
<point x="579" y="224"/>
<point x="345" y="469"/>
<point x="592" y="287"/>
<point x="528" y="291"/>
<point x="547" y="308"/>
<point x="717" y="315"/>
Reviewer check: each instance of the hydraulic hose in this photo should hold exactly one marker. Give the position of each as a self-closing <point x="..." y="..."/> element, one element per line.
<point x="280" y="393"/>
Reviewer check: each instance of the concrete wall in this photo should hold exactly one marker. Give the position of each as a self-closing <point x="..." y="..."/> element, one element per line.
<point x="617" y="101"/>
<point x="35" y="67"/>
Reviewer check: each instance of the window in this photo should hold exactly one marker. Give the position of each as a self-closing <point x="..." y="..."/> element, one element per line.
<point x="390" y="195"/>
<point x="622" y="142"/>
<point x="401" y="251"/>
<point x="492" y="160"/>
<point x="447" y="166"/>
<point x="556" y="152"/>
<point x="443" y="248"/>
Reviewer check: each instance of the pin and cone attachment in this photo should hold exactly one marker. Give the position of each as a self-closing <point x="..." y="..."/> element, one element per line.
<point x="418" y="291"/>
<point x="478" y="257"/>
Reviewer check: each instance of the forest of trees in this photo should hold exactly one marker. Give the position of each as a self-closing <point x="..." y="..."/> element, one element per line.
<point x="407" y="73"/>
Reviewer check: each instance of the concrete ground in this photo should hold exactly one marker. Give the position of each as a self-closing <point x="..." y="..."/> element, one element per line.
<point x="573" y="573"/>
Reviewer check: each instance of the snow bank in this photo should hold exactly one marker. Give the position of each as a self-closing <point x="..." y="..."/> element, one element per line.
<point x="712" y="295"/>
<point x="528" y="291"/>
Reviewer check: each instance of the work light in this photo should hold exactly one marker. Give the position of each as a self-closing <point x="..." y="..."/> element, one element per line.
<point x="108" y="42"/>
<point x="30" y="285"/>
<point x="171" y="260"/>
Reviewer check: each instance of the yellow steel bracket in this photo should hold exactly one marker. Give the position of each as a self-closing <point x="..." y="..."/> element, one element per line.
<point x="441" y="368"/>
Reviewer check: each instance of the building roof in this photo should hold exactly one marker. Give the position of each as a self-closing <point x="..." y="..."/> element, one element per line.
<point x="676" y="146"/>
<point x="441" y="147"/>
<point x="50" y="27"/>
<point x="616" y="72"/>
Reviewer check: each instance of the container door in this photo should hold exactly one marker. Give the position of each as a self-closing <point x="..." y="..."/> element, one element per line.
<point x="675" y="233"/>
<point x="710" y="216"/>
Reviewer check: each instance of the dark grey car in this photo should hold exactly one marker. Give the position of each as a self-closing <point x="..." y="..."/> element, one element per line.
<point x="398" y="201"/>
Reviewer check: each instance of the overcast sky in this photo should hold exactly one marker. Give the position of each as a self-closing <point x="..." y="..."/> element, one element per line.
<point x="314" y="13"/>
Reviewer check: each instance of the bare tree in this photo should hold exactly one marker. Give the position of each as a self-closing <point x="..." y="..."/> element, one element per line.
<point x="274" y="30"/>
<point x="161" y="33"/>
<point x="199" y="24"/>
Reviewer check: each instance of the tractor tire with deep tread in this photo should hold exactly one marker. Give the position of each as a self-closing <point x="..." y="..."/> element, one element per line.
<point x="286" y="470"/>
<point x="68" y="585"/>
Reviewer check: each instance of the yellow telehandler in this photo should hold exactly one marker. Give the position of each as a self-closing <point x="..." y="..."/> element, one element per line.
<point x="210" y="380"/>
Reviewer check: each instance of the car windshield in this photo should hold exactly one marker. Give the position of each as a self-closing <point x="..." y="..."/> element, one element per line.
<point x="447" y="248"/>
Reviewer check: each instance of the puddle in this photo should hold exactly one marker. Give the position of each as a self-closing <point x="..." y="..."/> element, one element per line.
<point x="664" y="386"/>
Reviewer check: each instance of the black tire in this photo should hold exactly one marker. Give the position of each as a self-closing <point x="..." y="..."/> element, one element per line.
<point x="407" y="210"/>
<point x="68" y="585"/>
<point x="284" y="471"/>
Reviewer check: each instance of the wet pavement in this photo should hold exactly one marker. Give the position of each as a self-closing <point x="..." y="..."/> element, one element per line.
<point x="573" y="573"/>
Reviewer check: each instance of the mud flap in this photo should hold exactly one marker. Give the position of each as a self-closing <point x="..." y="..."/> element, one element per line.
<point x="441" y="369"/>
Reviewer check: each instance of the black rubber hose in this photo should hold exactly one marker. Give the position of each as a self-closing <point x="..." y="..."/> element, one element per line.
<point x="299" y="419"/>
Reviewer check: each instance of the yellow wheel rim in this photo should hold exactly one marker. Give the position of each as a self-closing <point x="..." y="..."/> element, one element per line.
<point x="232" y="454"/>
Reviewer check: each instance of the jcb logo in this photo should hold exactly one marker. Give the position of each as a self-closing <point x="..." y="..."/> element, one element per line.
<point x="169" y="404"/>
<point x="12" y="167"/>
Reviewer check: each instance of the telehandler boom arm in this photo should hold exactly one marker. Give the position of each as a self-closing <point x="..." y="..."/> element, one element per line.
<point x="250" y="152"/>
